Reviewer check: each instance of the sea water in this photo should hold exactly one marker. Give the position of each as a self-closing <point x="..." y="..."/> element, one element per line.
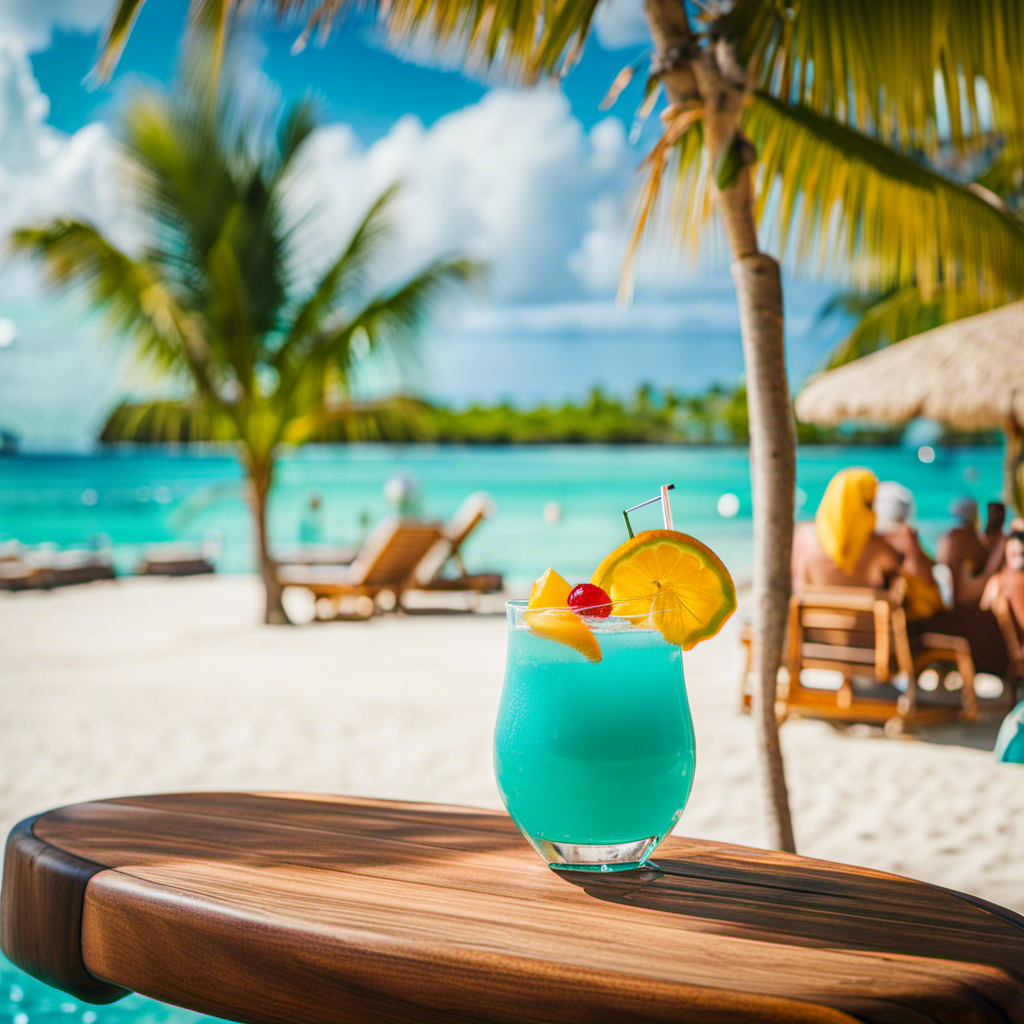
<point x="594" y="753"/>
<point x="143" y="495"/>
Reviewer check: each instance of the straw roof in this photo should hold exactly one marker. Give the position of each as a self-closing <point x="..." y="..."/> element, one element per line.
<point x="965" y="373"/>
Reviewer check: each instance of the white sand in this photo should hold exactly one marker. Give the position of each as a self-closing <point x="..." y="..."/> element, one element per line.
<point x="148" y="685"/>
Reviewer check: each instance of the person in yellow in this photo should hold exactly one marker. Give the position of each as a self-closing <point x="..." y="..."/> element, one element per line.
<point x="840" y="547"/>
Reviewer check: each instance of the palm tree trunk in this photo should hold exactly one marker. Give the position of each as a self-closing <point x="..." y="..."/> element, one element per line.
<point x="1013" y="455"/>
<point x="710" y="79"/>
<point x="261" y="475"/>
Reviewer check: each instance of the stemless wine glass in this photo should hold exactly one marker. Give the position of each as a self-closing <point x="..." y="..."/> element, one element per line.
<point x="594" y="760"/>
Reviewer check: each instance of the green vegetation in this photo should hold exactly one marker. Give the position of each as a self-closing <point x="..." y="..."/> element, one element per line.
<point x="715" y="416"/>
<point x="218" y="303"/>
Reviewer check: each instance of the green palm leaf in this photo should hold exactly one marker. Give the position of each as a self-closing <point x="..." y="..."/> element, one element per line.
<point x="876" y="65"/>
<point x="530" y="38"/>
<point x="135" y="298"/>
<point x="836" y="201"/>
<point x="885" y="319"/>
<point x="172" y="421"/>
<point x="346" y="276"/>
<point x="840" y="201"/>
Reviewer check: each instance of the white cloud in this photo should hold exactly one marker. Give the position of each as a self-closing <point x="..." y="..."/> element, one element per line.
<point x="511" y="179"/>
<point x="32" y="21"/>
<point x="44" y="172"/>
<point x="696" y="312"/>
<point x="621" y="23"/>
<point x="59" y="379"/>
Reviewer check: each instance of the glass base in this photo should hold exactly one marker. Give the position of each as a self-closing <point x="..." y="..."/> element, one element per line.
<point x="586" y="857"/>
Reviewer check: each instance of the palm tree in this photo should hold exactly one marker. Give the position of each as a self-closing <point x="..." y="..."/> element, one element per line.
<point x="810" y="116"/>
<point x="215" y="301"/>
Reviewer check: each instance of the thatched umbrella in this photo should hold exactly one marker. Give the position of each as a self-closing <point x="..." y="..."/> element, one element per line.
<point x="968" y="374"/>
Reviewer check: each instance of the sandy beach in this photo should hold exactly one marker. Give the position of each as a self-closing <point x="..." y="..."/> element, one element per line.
<point x="154" y="685"/>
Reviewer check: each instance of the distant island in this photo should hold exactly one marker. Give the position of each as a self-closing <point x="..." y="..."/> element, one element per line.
<point x="717" y="415"/>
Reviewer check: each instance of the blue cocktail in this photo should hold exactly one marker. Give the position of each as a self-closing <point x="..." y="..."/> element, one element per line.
<point x="594" y="761"/>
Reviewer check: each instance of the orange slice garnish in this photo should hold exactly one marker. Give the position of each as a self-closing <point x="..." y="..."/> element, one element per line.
<point x="548" y="615"/>
<point x="669" y="581"/>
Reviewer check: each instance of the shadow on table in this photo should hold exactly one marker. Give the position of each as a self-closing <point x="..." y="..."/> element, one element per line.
<point x="814" y="904"/>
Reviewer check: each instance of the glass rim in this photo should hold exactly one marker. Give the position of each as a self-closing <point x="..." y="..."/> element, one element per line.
<point x="517" y="608"/>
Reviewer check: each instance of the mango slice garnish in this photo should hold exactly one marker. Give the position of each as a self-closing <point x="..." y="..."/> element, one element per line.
<point x="669" y="581"/>
<point x="548" y="615"/>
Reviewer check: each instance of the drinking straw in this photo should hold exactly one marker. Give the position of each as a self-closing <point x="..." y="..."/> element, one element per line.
<point x="666" y="508"/>
<point x="666" y="505"/>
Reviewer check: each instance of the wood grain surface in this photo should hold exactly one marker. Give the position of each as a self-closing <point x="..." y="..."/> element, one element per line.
<point x="289" y="908"/>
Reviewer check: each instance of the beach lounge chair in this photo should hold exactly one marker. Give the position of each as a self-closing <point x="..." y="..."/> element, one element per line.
<point x="175" y="560"/>
<point x="432" y="574"/>
<point x="861" y="634"/>
<point x="319" y="554"/>
<point x="44" y="568"/>
<point x="385" y="564"/>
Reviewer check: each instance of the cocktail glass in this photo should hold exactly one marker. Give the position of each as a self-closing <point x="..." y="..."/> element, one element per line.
<point x="594" y="760"/>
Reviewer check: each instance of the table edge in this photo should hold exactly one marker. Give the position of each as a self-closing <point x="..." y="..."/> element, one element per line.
<point x="41" y="905"/>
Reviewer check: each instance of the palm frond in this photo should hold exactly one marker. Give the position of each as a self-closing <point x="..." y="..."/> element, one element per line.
<point x="115" y="37"/>
<point x="679" y="210"/>
<point x="388" y="321"/>
<point x="167" y="420"/>
<point x="347" y="275"/>
<point x="297" y="125"/>
<point x="842" y="202"/>
<point x="199" y="184"/>
<point x="397" y="418"/>
<point x="909" y="73"/>
<point x="886" y="319"/>
<point x="529" y="38"/>
<point x="229" y="314"/>
<point x="393" y="317"/>
<point x="1004" y="176"/>
<point x="135" y="298"/>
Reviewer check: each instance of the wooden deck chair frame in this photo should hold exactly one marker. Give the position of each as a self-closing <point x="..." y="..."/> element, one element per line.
<point x="824" y="625"/>
<point x="386" y="563"/>
<point x="473" y="511"/>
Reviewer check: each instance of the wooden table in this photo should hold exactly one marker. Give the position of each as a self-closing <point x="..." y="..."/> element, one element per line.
<point x="294" y="908"/>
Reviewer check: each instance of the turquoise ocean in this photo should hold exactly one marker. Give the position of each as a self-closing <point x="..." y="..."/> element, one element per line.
<point x="128" y="498"/>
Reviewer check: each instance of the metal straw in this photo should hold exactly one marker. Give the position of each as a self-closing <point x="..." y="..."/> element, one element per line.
<point x="666" y="508"/>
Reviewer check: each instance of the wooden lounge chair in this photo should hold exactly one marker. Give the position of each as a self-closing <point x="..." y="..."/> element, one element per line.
<point x="385" y="564"/>
<point x="175" y="560"/>
<point x="1014" y="677"/>
<point x="319" y="554"/>
<point x="44" y="569"/>
<point x="862" y="635"/>
<point x="432" y="573"/>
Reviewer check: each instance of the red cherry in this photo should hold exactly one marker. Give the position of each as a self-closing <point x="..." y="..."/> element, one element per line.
<point x="588" y="599"/>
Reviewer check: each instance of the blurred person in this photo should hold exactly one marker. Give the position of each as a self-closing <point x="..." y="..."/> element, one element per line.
<point x="894" y="512"/>
<point x="971" y="617"/>
<point x="972" y="557"/>
<point x="1008" y="583"/>
<point x="311" y="526"/>
<point x="840" y="546"/>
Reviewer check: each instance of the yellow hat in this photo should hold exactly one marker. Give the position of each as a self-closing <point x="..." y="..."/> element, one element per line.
<point x="845" y="519"/>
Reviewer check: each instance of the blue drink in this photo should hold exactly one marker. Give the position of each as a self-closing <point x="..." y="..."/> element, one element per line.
<point x="594" y="761"/>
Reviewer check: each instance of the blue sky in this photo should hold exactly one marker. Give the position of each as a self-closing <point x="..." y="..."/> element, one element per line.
<point x="359" y="82"/>
<point x="537" y="183"/>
